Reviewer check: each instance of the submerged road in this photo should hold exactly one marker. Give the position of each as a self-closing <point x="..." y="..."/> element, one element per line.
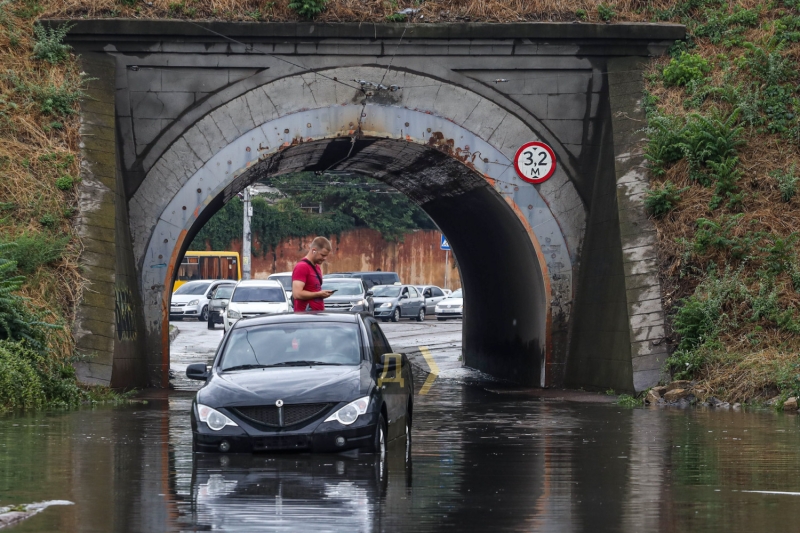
<point x="485" y="456"/>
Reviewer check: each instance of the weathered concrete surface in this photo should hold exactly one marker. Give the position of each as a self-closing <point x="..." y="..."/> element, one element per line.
<point x="94" y="328"/>
<point x="196" y="113"/>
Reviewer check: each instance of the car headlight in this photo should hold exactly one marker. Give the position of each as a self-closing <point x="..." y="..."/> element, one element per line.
<point x="213" y="418"/>
<point x="387" y="304"/>
<point x="194" y="302"/>
<point x="437" y="309"/>
<point x="349" y="413"/>
<point x="359" y="302"/>
<point x="233" y="314"/>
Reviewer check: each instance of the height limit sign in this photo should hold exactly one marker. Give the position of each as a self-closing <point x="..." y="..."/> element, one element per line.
<point x="535" y="162"/>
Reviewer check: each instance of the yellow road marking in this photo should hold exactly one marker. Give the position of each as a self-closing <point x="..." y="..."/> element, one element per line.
<point x="434" y="368"/>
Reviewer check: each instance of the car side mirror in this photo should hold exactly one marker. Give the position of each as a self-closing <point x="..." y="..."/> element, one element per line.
<point x="197" y="371"/>
<point x="369" y="293"/>
<point x="389" y="363"/>
<point x="403" y="296"/>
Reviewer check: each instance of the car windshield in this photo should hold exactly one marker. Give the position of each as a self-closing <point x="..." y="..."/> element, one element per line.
<point x="223" y="292"/>
<point x="456" y="294"/>
<point x="292" y="344"/>
<point x="386" y="291"/>
<point x="343" y="288"/>
<point x="195" y="287"/>
<point x="258" y="294"/>
<point x="286" y="281"/>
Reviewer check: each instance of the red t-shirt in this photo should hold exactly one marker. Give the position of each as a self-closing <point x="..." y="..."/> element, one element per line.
<point x="309" y="275"/>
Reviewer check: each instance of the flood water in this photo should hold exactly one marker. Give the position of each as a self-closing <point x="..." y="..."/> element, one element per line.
<point x="480" y="461"/>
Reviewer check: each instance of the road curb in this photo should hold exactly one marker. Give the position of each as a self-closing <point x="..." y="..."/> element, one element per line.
<point x="174" y="333"/>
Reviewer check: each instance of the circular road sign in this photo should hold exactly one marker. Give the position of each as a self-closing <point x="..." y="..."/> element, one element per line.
<point x="535" y="162"/>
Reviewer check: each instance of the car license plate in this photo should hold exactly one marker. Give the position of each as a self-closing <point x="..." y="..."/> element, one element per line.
<point x="175" y="310"/>
<point x="451" y="310"/>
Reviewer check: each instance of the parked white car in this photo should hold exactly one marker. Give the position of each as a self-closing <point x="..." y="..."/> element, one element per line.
<point x="285" y="279"/>
<point x="256" y="297"/>
<point x="451" y="307"/>
<point x="191" y="299"/>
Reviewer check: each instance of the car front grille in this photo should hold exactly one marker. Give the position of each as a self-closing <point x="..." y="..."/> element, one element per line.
<point x="338" y="306"/>
<point x="178" y="305"/>
<point x="267" y="415"/>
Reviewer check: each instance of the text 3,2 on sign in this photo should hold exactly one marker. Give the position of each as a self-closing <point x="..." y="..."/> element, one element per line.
<point x="535" y="162"/>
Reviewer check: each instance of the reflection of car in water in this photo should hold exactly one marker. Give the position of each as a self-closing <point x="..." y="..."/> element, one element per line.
<point x="242" y="492"/>
<point x="303" y="382"/>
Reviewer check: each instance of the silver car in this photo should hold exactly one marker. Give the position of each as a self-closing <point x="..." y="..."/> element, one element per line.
<point x="218" y="303"/>
<point x="433" y="295"/>
<point x="393" y="302"/>
<point x="350" y="297"/>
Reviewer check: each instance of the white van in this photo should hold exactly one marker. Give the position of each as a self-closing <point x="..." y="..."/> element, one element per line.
<point x="256" y="297"/>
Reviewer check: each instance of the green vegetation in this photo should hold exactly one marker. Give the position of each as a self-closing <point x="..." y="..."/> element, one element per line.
<point x="722" y="150"/>
<point x="308" y="8"/>
<point x="49" y="46"/>
<point x="626" y="400"/>
<point x="660" y="200"/>
<point x="347" y="202"/>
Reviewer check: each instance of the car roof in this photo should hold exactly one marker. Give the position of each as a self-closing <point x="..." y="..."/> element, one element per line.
<point x="344" y="280"/>
<point x="285" y="318"/>
<point x="279" y="274"/>
<point x="259" y="283"/>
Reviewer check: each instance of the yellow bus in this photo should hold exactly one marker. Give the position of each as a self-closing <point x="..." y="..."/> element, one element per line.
<point x="208" y="265"/>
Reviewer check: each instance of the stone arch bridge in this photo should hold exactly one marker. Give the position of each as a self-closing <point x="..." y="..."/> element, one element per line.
<point x="560" y="277"/>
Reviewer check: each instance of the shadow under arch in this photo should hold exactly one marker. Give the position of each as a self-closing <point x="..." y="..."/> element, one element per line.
<point x="502" y="268"/>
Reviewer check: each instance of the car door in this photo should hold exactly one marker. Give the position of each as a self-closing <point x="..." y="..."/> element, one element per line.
<point x="416" y="299"/>
<point x="393" y="390"/>
<point x="404" y="303"/>
<point x="437" y="296"/>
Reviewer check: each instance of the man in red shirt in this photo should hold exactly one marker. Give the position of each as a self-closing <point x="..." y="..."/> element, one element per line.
<point x="307" y="278"/>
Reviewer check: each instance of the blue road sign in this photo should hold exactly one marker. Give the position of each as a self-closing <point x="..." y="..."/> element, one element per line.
<point x="445" y="245"/>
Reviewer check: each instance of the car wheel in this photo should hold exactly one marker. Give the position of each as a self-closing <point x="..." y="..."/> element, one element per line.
<point x="396" y="315"/>
<point x="204" y="314"/>
<point x="379" y="441"/>
<point x="421" y="315"/>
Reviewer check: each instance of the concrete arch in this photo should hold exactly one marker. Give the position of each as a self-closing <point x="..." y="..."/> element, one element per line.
<point x="216" y="156"/>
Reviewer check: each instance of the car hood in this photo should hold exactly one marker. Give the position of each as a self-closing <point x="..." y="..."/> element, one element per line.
<point x="343" y="299"/>
<point x="186" y="298"/>
<point x="452" y="301"/>
<point x="301" y="384"/>
<point x="257" y="307"/>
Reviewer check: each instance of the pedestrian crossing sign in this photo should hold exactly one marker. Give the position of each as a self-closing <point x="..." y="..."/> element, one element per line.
<point x="445" y="244"/>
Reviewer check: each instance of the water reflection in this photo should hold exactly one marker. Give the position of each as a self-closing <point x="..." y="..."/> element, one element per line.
<point x="480" y="461"/>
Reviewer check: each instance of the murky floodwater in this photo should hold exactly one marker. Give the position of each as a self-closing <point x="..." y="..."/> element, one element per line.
<point x="481" y="461"/>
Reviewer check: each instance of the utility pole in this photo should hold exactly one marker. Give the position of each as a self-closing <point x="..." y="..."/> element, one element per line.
<point x="247" y="238"/>
<point x="446" y="265"/>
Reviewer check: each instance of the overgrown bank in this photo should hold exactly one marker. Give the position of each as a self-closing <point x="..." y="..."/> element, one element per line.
<point x="40" y="283"/>
<point x="723" y="147"/>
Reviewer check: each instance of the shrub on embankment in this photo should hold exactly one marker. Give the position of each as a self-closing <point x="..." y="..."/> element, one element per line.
<point x="39" y="277"/>
<point x="723" y="150"/>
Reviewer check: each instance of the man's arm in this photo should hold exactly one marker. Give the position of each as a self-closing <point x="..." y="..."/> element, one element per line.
<point x="300" y="293"/>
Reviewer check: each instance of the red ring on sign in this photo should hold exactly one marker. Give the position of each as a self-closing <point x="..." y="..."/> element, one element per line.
<point x="535" y="180"/>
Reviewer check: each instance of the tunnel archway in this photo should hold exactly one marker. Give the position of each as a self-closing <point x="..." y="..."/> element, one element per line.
<point x="516" y="242"/>
<point x="506" y="323"/>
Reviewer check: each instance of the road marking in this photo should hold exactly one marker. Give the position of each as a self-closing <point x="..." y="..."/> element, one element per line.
<point x="434" y="368"/>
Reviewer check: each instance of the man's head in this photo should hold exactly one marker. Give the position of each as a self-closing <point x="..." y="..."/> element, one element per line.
<point x="320" y="248"/>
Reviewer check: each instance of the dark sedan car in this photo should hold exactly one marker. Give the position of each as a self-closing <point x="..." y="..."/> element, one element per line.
<point x="317" y="382"/>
